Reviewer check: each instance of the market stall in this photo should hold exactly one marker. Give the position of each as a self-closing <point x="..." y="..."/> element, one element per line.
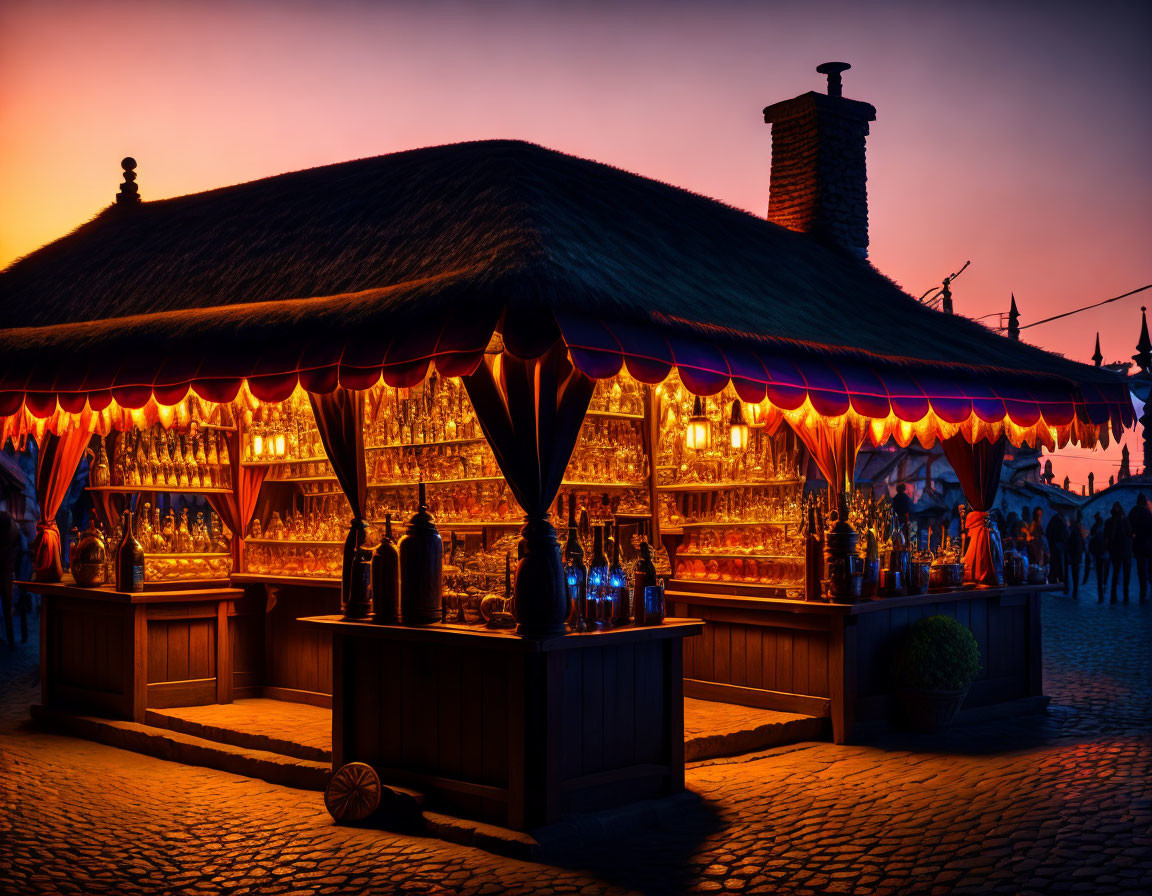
<point x="472" y="378"/>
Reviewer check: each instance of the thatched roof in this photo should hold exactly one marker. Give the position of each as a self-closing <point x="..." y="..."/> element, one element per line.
<point x="349" y="261"/>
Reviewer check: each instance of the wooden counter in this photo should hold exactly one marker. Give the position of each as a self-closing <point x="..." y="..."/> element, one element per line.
<point x="111" y="653"/>
<point x="833" y="659"/>
<point x="516" y="731"/>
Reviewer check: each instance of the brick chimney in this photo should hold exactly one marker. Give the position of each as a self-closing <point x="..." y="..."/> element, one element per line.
<point x="819" y="179"/>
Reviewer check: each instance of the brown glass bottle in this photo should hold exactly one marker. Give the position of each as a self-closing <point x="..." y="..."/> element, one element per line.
<point x="129" y="559"/>
<point x="599" y="608"/>
<point x="386" y="578"/>
<point x="643" y="577"/>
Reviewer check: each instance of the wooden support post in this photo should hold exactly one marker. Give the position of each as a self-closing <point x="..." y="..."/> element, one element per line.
<point x="138" y="677"/>
<point x="223" y="653"/>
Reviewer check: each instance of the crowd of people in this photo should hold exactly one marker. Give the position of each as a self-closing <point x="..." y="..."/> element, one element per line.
<point x="1110" y="546"/>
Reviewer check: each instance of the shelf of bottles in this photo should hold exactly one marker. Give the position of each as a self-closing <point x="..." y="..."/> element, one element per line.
<point x="729" y="490"/>
<point x="190" y="459"/>
<point x="178" y="547"/>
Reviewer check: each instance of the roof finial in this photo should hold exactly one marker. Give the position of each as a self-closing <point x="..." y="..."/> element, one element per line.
<point x="833" y="70"/>
<point x="1014" y="320"/>
<point x="129" y="192"/>
<point x="1096" y="356"/>
<point x="1143" y="356"/>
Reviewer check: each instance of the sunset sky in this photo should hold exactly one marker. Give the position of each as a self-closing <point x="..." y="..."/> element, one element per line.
<point x="1016" y="135"/>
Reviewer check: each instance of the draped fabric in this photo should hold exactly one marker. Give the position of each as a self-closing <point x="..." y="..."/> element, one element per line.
<point x="834" y="450"/>
<point x="531" y="412"/>
<point x="978" y="471"/>
<point x="236" y="508"/>
<point x="340" y="420"/>
<point x="55" y="466"/>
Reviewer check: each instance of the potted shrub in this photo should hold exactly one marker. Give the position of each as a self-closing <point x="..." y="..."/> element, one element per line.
<point x="934" y="666"/>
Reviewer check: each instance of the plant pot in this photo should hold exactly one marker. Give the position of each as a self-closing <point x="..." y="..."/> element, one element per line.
<point x="929" y="711"/>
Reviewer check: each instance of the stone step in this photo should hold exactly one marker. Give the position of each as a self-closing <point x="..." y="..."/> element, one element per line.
<point x="713" y="730"/>
<point x="176" y="746"/>
<point x="229" y="733"/>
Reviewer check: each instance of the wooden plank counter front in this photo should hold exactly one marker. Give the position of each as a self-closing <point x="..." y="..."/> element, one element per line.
<point x="115" y="654"/>
<point x="832" y="660"/>
<point x="510" y="730"/>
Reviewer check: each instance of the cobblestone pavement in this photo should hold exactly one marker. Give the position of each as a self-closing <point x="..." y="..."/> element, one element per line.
<point x="1048" y="804"/>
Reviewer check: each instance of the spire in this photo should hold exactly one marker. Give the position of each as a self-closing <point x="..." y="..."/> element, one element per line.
<point x="1014" y="320"/>
<point x="1143" y="356"/>
<point x="129" y="192"/>
<point x="1096" y="356"/>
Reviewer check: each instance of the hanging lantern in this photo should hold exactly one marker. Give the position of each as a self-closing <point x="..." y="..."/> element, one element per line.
<point x="698" y="435"/>
<point x="739" y="427"/>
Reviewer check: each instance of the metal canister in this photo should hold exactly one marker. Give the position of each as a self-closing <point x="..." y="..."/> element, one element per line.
<point x="360" y="586"/>
<point x="386" y="578"/>
<point x="841" y="559"/>
<point x="421" y="568"/>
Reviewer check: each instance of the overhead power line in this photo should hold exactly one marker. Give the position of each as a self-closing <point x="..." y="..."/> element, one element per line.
<point x="1086" y="307"/>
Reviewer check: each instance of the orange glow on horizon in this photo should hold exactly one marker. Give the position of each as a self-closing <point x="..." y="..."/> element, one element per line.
<point x="1014" y="145"/>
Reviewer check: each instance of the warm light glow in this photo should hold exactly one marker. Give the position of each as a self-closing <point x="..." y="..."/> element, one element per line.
<point x="281" y="446"/>
<point x="257" y="445"/>
<point x="698" y="433"/>
<point x="739" y="427"/>
<point x="757" y="413"/>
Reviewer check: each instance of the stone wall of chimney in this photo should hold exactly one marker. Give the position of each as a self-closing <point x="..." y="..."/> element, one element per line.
<point x="819" y="182"/>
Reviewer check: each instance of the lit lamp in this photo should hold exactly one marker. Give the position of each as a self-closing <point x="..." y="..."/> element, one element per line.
<point x="281" y="446"/>
<point x="739" y="427"/>
<point x="698" y="435"/>
<point x="257" y="445"/>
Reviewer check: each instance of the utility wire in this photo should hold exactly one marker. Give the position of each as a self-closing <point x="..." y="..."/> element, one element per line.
<point x="1086" y="307"/>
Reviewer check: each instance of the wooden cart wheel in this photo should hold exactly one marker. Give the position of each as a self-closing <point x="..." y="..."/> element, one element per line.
<point x="353" y="793"/>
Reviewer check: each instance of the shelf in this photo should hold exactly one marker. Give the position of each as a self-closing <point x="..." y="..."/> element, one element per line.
<point x="725" y="486"/>
<point x="205" y="555"/>
<point x="283" y="461"/>
<point x="294" y="542"/>
<point x="614" y="415"/>
<point x="721" y="556"/>
<point x="301" y="478"/>
<point x="271" y="578"/>
<point x="469" y="441"/>
<point x="138" y="489"/>
<point x="456" y="526"/>
<point x="601" y="486"/>
<point x="732" y="524"/>
<point x="430" y="482"/>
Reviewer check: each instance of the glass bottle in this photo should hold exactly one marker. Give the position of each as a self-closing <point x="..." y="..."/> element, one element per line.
<point x="598" y="583"/>
<point x="129" y="559"/>
<point x="643" y="577"/>
<point x="386" y="578"/>
<point x="618" y="584"/>
<point x="575" y="573"/>
<point x="421" y="568"/>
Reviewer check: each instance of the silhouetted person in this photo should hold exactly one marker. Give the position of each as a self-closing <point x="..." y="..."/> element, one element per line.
<point x="1140" y="519"/>
<point x="9" y="556"/>
<point x="1118" y="534"/>
<point x="1057" y="533"/>
<point x="1098" y="548"/>
<point x="901" y="505"/>
<point x="1075" y="554"/>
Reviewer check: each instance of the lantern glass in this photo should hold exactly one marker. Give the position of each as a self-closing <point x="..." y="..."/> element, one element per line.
<point x="698" y="433"/>
<point x="740" y="436"/>
<point x="257" y="445"/>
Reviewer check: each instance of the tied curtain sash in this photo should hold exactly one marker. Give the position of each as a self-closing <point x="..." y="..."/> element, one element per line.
<point x="978" y="470"/>
<point x="236" y="509"/>
<point x="55" y="466"/>
<point x="340" y="421"/>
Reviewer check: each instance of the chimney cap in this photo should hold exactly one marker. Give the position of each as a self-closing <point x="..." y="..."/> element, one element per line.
<point x="833" y="71"/>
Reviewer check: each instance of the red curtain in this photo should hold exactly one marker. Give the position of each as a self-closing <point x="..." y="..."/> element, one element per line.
<point x="834" y="449"/>
<point x="531" y="412"/>
<point x="55" y="467"/>
<point x="340" y="421"/>
<point x="235" y="510"/>
<point x="978" y="471"/>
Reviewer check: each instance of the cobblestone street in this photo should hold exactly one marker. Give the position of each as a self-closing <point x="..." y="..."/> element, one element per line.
<point x="1058" y="803"/>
